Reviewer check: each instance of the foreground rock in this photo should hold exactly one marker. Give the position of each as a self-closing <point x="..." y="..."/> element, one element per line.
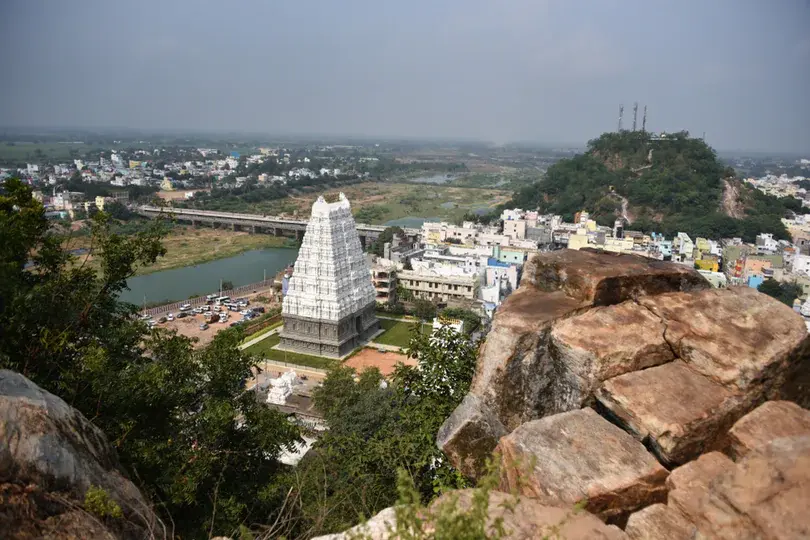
<point x="763" y="496"/>
<point x="518" y="379"/>
<point x="659" y="522"/>
<point x="742" y="339"/>
<point x="579" y="456"/>
<point x="603" y="342"/>
<point x="603" y="279"/>
<point x="46" y="443"/>
<point x="772" y="420"/>
<point x="678" y="412"/>
<point x="522" y="519"/>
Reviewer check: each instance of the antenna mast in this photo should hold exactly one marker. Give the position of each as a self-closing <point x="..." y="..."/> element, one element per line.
<point x="644" y="120"/>
<point x="621" y="113"/>
<point x="635" y="114"/>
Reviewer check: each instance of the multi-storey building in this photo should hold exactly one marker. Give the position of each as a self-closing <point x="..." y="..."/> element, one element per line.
<point x="439" y="287"/>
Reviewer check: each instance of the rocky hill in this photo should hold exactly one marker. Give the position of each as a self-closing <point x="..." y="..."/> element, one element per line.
<point x="628" y="389"/>
<point x="657" y="184"/>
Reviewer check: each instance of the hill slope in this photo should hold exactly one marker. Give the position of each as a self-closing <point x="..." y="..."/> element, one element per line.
<point x="670" y="185"/>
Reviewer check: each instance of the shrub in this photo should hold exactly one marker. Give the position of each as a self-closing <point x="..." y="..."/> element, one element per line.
<point x="98" y="502"/>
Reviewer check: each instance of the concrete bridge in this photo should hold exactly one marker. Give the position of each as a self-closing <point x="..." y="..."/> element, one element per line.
<point x="255" y="223"/>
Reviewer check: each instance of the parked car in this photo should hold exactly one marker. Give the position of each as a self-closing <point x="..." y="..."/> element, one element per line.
<point x="145" y="317"/>
<point x="245" y="312"/>
<point x="259" y="309"/>
<point x="182" y="315"/>
<point x="185" y="307"/>
<point x="162" y="320"/>
<point x="170" y="317"/>
<point x="197" y="311"/>
<point x="210" y="296"/>
<point x="203" y="326"/>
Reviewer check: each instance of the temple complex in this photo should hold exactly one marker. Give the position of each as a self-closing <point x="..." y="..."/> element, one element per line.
<point x="328" y="309"/>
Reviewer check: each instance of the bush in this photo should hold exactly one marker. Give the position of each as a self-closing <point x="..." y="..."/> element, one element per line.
<point x="98" y="502"/>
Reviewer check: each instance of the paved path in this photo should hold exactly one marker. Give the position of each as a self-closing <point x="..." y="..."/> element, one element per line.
<point x="409" y="319"/>
<point x="255" y="340"/>
<point x="391" y="348"/>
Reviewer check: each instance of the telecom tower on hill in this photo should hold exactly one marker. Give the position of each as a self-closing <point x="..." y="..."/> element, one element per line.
<point x="329" y="306"/>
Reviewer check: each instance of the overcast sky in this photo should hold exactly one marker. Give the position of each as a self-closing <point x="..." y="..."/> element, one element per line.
<point x="549" y="71"/>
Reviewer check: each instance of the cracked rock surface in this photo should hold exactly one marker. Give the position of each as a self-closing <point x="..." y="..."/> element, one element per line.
<point x="645" y="343"/>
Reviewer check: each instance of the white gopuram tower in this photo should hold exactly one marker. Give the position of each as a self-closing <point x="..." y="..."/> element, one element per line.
<point x="329" y="306"/>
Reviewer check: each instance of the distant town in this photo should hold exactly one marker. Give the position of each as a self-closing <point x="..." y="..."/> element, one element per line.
<point x="469" y="262"/>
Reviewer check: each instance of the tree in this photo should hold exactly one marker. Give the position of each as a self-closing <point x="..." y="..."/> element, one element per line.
<point x="183" y="426"/>
<point x="227" y="285"/>
<point x="424" y="309"/>
<point x="784" y="292"/>
<point x="377" y="428"/>
<point x="387" y="235"/>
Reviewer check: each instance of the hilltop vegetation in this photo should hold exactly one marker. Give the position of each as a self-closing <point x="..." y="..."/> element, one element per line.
<point x="670" y="185"/>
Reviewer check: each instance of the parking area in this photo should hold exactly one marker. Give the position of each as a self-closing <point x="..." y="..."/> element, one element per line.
<point x="190" y="323"/>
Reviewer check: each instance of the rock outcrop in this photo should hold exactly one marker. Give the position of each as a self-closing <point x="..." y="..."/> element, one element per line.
<point x="56" y="455"/>
<point x="543" y="459"/>
<point x="521" y="519"/>
<point x="659" y="522"/>
<point x="773" y="420"/>
<point x="763" y="495"/>
<point x="648" y="344"/>
<point x="524" y="373"/>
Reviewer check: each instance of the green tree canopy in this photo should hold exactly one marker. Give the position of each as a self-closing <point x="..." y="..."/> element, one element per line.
<point x="784" y="292"/>
<point x="186" y="431"/>
<point x="378" y="428"/>
<point x="672" y="184"/>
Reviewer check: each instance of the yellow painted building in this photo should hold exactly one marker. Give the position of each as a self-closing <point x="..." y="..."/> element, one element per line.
<point x="578" y="240"/>
<point x="707" y="264"/>
<point x="619" y="245"/>
<point x="100" y="203"/>
<point x="133" y="164"/>
<point x="703" y="245"/>
<point x="166" y="184"/>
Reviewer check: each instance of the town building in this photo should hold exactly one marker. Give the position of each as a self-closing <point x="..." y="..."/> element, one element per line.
<point x="441" y="287"/>
<point x="384" y="279"/>
<point x="328" y="309"/>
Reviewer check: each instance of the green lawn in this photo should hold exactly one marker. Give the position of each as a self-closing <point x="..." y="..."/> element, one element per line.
<point x="263" y="331"/>
<point x="264" y="349"/>
<point x="396" y="333"/>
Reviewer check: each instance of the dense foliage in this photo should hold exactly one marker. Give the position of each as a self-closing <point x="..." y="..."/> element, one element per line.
<point x="185" y="430"/>
<point x="785" y="292"/>
<point x="386" y="236"/>
<point x="377" y="429"/>
<point x="674" y="184"/>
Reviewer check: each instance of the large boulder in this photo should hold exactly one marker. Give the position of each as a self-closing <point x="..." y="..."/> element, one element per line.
<point x="678" y="412"/>
<point x="521" y="375"/>
<point x="602" y="343"/>
<point x="602" y="279"/>
<point x="46" y="443"/>
<point x="770" y="421"/>
<point x="579" y="457"/>
<point x="736" y="349"/>
<point x="763" y="496"/>
<point x="659" y="522"/>
<point x="522" y="518"/>
<point x="740" y="338"/>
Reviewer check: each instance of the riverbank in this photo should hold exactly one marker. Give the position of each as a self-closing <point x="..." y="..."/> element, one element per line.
<point x="187" y="246"/>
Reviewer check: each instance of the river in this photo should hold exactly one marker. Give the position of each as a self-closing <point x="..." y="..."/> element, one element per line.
<point x="182" y="283"/>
